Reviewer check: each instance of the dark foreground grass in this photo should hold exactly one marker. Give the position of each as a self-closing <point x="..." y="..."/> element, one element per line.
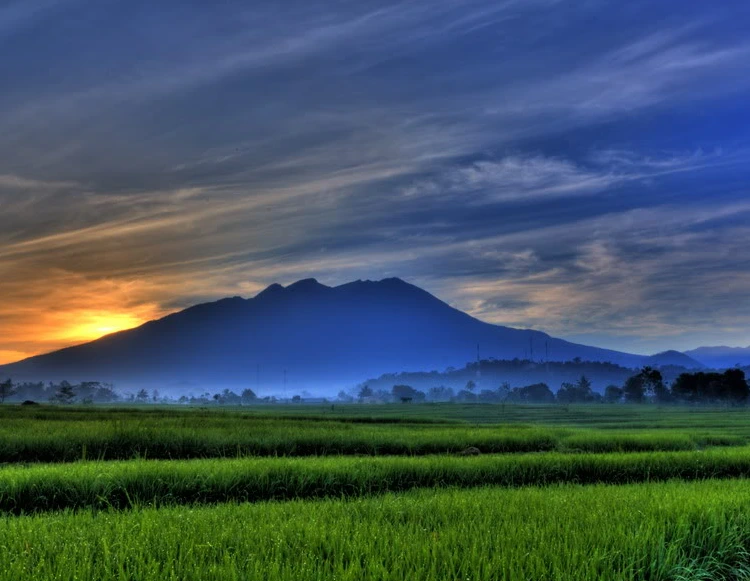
<point x="59" y="434"/>
<point x="125" y="484"/>
<point x="648" y="532"/>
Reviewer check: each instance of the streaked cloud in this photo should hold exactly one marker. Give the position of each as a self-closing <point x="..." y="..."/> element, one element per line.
<point x="526" y="164"/>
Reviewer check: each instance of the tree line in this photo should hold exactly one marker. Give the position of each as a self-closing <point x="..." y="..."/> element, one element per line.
<point x="63" y="392"/>
<point x="648" y="385"/>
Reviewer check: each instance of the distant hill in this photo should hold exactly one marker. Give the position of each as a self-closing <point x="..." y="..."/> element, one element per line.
<point x="491" y="374"/>
<point x="674" y="359"/>
<point x="721" y="357"/>
<point x="303" y="336"/>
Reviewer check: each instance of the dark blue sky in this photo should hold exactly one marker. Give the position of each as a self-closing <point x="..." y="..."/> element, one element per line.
<point x="576" y="167"/>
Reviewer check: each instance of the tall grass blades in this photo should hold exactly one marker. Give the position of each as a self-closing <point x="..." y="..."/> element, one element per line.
<point x="65" y="435"/>
<point x="143" y="482"/>
<point x="655" y="532"/>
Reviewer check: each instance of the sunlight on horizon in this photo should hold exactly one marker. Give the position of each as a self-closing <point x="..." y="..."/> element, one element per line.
<point x="95" y="324"/>
<point x="74" y="328"/>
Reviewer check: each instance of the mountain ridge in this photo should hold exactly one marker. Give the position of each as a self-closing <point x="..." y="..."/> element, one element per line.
<point x="303" y="336"/>
<point x="720" y="356"/>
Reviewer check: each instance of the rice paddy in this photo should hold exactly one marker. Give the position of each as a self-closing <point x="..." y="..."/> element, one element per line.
<point x="375" y="492"/>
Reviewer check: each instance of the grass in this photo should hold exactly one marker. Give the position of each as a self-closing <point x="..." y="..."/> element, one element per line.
<point x="649" y="532"/>
<point x="125" y="484"/>
<point x="375" y="492"/>
<point x="54" y="434"/>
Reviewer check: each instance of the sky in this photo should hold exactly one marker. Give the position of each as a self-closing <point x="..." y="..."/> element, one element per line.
<point x="578" y="167"/>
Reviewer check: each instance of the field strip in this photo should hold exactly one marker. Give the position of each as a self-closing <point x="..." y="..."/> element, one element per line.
<point x="125" y="484"/>
<point x="673" y="531"/>
<point x="26" y="441"/>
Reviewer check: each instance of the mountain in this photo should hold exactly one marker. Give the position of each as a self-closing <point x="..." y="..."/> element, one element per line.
<point x="721" y="357"/>
<point x="303" y="336"/>
<point x="674" y="359"/>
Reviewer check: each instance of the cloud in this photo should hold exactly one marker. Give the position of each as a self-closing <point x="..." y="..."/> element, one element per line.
<point x="518" y="178"/>
<point x="510" y="156"/>
<point x="664" y="66"/>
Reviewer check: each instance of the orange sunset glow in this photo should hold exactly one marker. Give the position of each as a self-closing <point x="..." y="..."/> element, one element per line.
<point x="91" y="325"/>
<point x="69" y="310"/>
<point x="78" y="326"/>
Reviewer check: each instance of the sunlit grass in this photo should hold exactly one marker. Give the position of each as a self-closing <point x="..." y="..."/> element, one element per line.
<point x="123" y="484"/>
<point x="653" y="532"/>
<point x="59" y="434"/>
<point x="374" y="492"/>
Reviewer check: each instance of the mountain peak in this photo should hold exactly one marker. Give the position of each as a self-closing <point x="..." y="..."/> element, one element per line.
<point x="676" y="358"/>
<point x="306" y="287"/>
<point x="270" y="290"/>
<point x="306" y="284"/>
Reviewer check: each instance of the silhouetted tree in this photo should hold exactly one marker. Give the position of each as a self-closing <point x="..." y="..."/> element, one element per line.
<point x="535" y="393"/>
<point x="440" y="393"/>
<point x="471" y="385"/>
<point x="613" y="394"/>
<point x="142" y="396"/>
<point x="227" y="397"/>
<point x="248" y="396"/>
<point x="578" y="392"/>
<point x="344" y="397"/>
<point x="735" y="386"/>
<point x="465" y="395"/>
<point x="365" y="392"/>
<point x="65" y="393"/>
<point x="647" y="383"/>
<point x="401" y="391"/>
<point x="633" y="389"/>
<point x="729" y="386"/>
<point x="6" y="390"/>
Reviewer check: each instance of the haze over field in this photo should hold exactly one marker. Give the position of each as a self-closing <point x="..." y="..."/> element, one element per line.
<point x="576" y="168"/>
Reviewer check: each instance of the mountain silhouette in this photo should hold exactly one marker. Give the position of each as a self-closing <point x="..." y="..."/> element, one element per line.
<point x="674" y="358"/>
<point x="721" y="357"/>
<point x="302" y="336"/>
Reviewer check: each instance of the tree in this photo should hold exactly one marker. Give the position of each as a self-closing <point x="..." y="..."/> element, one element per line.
<point x="536" y="393"/>
<point x="633" y="389"/>
<point x="406" y="391"/>
<point x="729" y="386"/>
<point x="578" y="392"/>
<point x="613" y="394"/>
<point x="6" y="390"/>
<point x="584" y="384"/>
<point x="344" y="397"/>
<point x="654" y="383"/>
<point x="440" y="393"/>
<point x="735" y="389"/>
<point x="647" y="383"/>
<point x="248" y="396"/>
<point x="142" y="396"/>
<point x="365" y="392"/>
<point x="466" y="395"/>
<point x="64" y="393"/>
<point x="471" y="385"/>
<point x="227" y="397"/>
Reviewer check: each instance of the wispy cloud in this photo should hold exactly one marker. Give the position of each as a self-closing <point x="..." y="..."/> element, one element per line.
<point x="531" y="167"/>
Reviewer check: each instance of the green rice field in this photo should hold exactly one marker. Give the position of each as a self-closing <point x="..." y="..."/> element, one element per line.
<point x="375" y="492"/>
